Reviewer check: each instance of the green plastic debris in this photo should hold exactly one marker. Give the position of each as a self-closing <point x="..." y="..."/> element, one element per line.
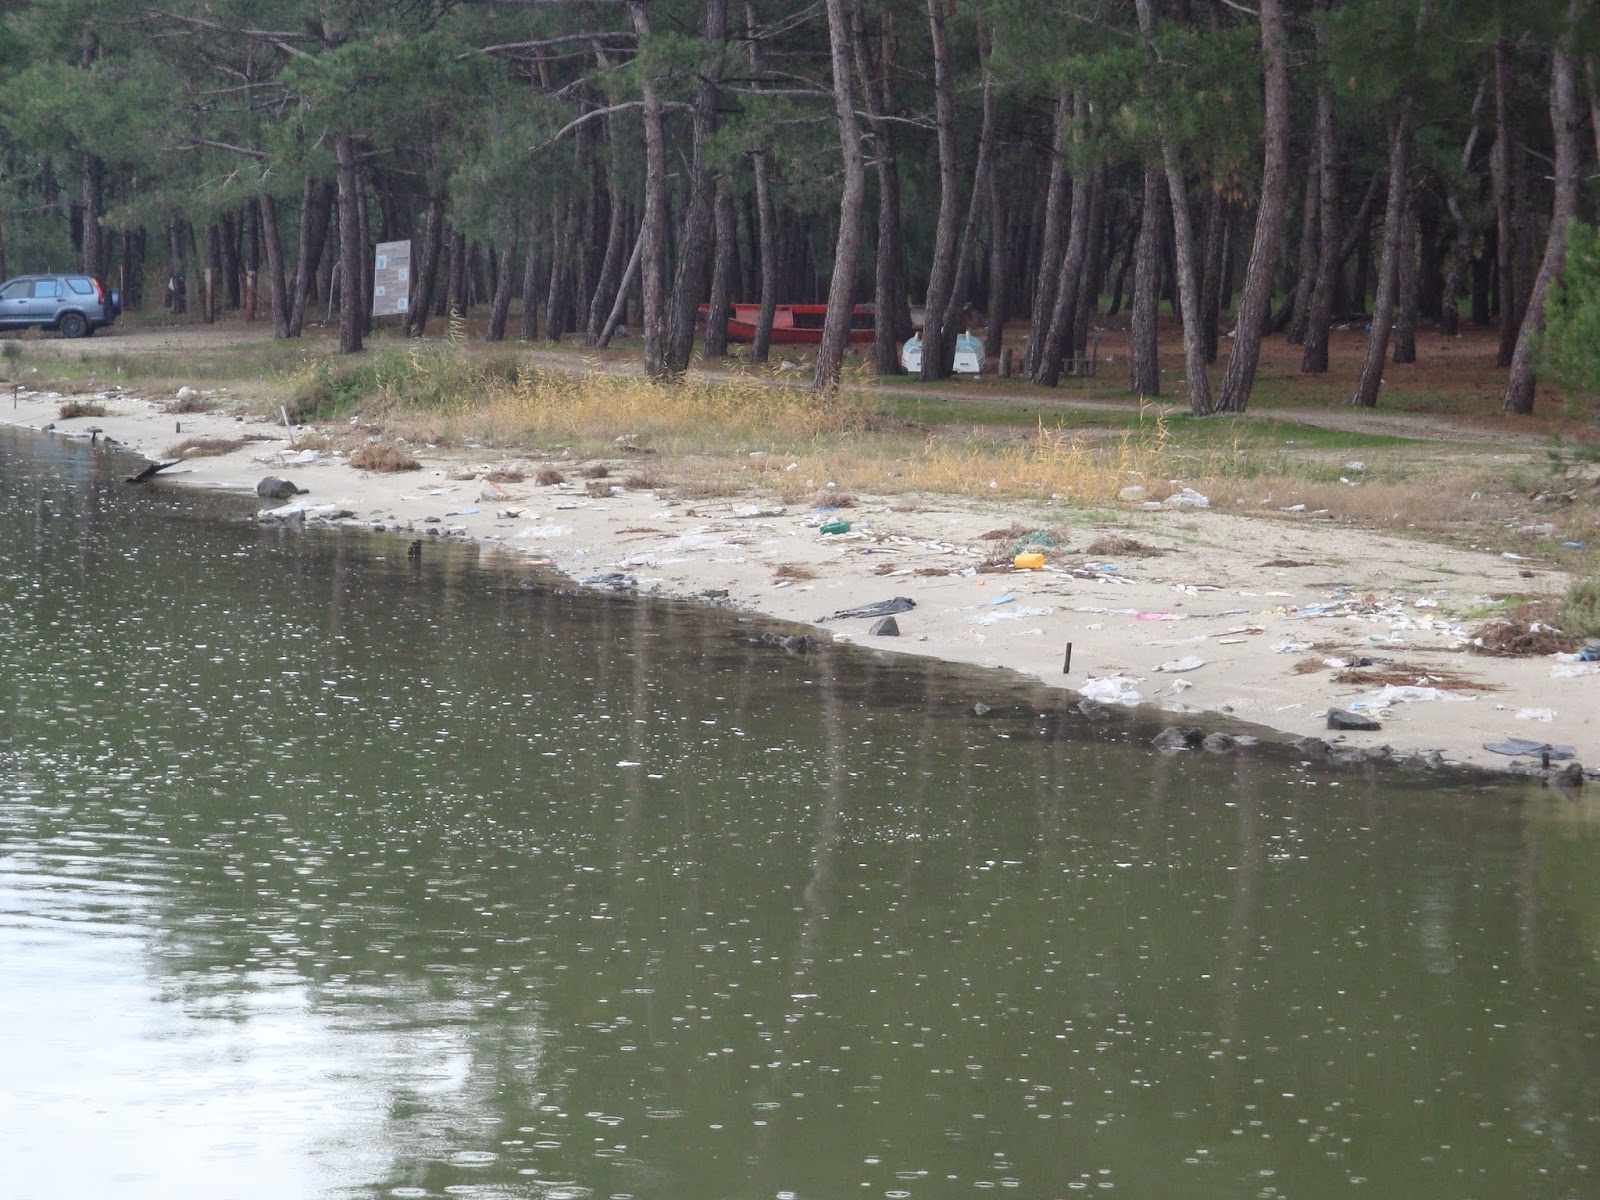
<point x="836" y="526"/>
<point x="1037" y="540"/>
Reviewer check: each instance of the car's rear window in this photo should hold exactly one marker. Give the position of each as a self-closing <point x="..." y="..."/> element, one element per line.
<point x="80" y="285"/>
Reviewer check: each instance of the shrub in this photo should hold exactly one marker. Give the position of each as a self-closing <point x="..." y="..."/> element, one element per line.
<point x="1580" y="611"/>
<point x="1572" y="317"/>
<point x="82" y="408"/>
<point x="383" y="457"/>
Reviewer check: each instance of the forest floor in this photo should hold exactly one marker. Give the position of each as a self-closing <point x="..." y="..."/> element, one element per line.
<point x="1331" y="537"/>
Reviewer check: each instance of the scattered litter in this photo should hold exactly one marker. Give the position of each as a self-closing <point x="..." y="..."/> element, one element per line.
<point x="1112" y="689"/>
<point x="1513" y="557"/>
<point x="1294" y="508"/>
<point x="1133" y="494"/>
<point x="1401" y="694"/>
<point x="299" y="457"/>
<point x="1355" y="466"/>
<point x="1519" y="747"/>
<point x="1187" y="498"/>
<point x="1006" y="599"/>
<point x="462" y="512"/>
<point x="1033" y="561"/>
<point x="1011" y="614"/>
<point x="1291" y="647"/>
<point x="883" y="608"/>
<point x="615" y="580"/>
<point x="1573" y="670"/>
<point x="1574" y="545"/>
<point x="1589" y="654"/>
<point x="1189" y="662"/>
<point x="835" y="526"/>
<point x="1536" y="714"/>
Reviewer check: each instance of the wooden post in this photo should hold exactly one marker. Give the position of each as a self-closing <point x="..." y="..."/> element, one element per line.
<point x="1005" y="363"/>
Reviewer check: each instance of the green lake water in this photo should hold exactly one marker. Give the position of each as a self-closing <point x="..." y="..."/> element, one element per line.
<point x="328" y="874"/>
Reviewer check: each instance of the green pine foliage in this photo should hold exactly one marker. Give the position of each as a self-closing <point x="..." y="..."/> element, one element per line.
<point x="1571" y="349"/>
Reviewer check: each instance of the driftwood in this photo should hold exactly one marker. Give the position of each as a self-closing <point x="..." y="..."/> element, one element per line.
<point x="150" y="470"/>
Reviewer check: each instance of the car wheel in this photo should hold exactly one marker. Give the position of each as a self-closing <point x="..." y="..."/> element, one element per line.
<point x="74" y="325"/>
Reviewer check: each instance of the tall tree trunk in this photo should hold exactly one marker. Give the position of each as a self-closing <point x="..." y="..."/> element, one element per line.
<point x="722" y="265"/>
<point x="1053" y="353"/>
<point x="766" y="217"/>
<point x="891" y="311"/>
<point x="94" y="242"/>
<point x="555" y="316"/>
<point x="689" y="282"/>
<point x="177" y="281"/>
<point x="942" y="272"/>
<point x="528" y="328"/>
<point x="135" y="244"/>
<point x="653" y="230"/>
<point x="316" y="203"/>
<point x="1300" y="303"/>
<point x="500" y="308"/>
<point x="1506" y="239"/>
<point x="1405" y="282"/>
<point x="1088" y="296"/>
<point x="1461" y="248"/>
<point x="1213" y="270"/>
<point x="1144" y="367"/>
<point x="616" y="235"/>
<point x="352" y="312"/>
<point x="847" y="248"/>
<point x="252" y="260"/>
<point x="1319" y="311"/>
<point x="1366" y="394"/>
<point x="955" y="306"/>
<point x="208" y="274"/>
<point x="1001" y="218"/>
<point x="1566" y="120"/>
<point x="1239" y="378"/>
<point x="426" y="267"/>
<point x="1050" y="242"/>
<point x="230" y="259"/>
<point x="369" y="247"/>
<point x="619" y="307"/>
<point x="277" y="293"/>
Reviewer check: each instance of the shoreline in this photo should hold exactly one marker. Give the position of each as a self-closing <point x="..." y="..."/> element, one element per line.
<point x="1208" y="619"/>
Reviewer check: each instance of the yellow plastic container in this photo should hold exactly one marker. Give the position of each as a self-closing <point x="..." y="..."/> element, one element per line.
<point x="1030" y="560"/>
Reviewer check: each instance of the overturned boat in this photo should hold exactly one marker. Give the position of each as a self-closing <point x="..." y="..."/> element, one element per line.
<point x="792" y="324"/>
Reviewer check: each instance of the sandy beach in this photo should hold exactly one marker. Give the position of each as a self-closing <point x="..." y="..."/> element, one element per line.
<point x="1219" y="620"/>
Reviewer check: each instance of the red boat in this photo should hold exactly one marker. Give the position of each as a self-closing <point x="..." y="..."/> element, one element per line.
<point x="792" y="324"/>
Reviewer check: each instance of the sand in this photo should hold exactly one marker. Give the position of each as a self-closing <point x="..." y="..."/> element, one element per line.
<point x="1233" y="624"/>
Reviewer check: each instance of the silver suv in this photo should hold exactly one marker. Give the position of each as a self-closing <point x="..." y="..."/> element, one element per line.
<point x="77" y="305"/>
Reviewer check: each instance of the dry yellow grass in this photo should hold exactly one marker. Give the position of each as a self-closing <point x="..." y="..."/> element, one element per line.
<point x="383" y="457"/>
